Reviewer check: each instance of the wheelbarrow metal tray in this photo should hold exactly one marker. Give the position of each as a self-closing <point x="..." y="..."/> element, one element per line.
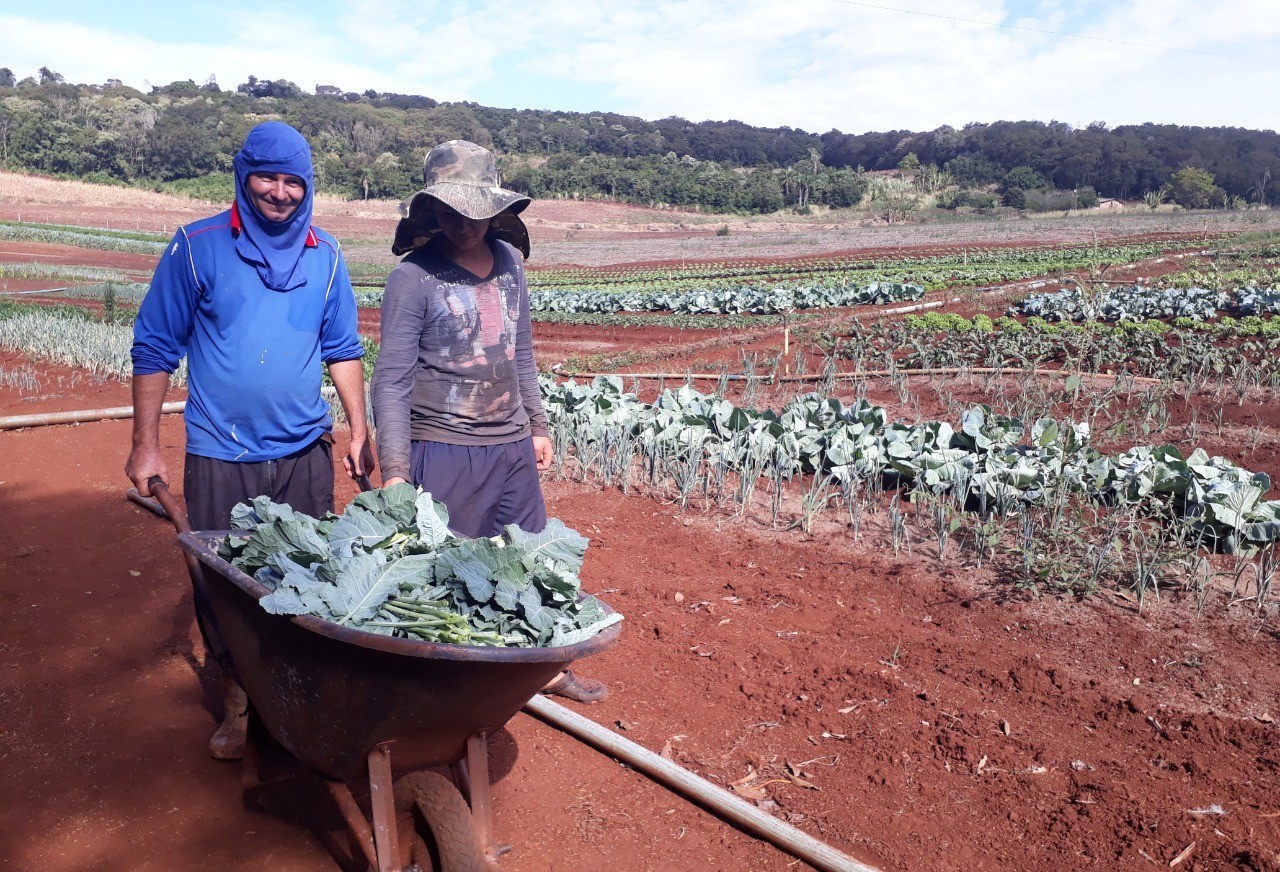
<point x="331" y="694"/>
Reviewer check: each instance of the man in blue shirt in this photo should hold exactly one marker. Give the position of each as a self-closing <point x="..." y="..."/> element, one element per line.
<point x="257" y="300"/>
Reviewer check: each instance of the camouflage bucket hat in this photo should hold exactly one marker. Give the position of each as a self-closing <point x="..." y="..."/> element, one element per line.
<point x="463" y="176"/>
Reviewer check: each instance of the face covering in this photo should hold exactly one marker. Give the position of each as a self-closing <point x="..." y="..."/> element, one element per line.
<point x="274" y="249"/>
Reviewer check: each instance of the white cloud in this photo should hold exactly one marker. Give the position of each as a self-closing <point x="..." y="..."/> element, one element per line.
<point x="814" y="64"/>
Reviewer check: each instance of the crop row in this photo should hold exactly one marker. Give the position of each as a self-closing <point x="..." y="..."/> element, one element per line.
<point x="703" y="444"/>
<point x="100" y="348"/>
<point x="1001" y="261"/>
<point x="109" y="292"/>
<point x="1140" y="303"/>
<point x="669" y="321"/>
<point x="728" y="301"/>
<point x="736" y="300"/>
<point x="973" y="267"/>
<point x="59" y="272"/>
<point x="84" y="237"/>
<point x="1256" y="274"/>
<point x="1239" y="355"/>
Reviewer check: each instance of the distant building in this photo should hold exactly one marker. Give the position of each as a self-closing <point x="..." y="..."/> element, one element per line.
<point x="1110" y="203"/>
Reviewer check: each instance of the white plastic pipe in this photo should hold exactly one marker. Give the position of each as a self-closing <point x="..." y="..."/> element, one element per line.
<point x="864" y="373"/>
<point x="13" y="422"/>
<point x="797" y="843"/>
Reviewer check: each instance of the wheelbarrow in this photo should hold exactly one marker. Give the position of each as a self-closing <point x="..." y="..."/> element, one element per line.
<point x="352" y="706"/>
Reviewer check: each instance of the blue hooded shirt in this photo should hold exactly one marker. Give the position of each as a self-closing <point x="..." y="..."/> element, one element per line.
<point x="257" y="309"/>
<point x="274" y="247"/>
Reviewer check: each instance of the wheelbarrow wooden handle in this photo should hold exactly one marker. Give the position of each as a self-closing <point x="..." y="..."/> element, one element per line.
<point x="366" y="483"/>
<point x="205" y="617"/>
<point x="160" y="491"/>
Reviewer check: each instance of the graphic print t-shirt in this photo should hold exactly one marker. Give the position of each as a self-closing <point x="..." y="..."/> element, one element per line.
<point x="477" y="325"/>
<point x="457" y="352"/>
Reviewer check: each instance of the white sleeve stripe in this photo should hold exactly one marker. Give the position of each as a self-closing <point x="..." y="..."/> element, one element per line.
<point x="332" y="275"/>
<point x="191" y="260"/>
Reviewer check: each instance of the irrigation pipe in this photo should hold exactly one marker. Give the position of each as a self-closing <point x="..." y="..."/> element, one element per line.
<point x="41" y="291"/>
<point x="147" y="503"/>
<point x="13" y="422"/>
<point x="936" y="304"/>
<point x="865" y="373"/>
<point x="795" y="842"/>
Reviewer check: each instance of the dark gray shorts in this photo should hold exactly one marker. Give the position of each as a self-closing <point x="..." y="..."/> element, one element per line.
<point x="484" y="487"/>
<point x="303" y="479"/>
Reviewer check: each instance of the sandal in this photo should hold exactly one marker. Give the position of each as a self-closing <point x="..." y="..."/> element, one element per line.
<point x="573" y="687"/>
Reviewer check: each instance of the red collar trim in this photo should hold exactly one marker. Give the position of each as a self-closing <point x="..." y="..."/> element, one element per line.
<point x="237" y="225"/>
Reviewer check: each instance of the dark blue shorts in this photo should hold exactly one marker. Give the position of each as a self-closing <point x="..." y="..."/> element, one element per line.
<point x="484" y="487"/>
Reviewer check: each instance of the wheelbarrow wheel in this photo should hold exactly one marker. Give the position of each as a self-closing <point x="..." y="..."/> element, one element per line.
<point x="435" y="823"/>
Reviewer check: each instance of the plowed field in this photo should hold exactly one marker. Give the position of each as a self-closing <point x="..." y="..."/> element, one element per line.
<point x="916" y="712"/>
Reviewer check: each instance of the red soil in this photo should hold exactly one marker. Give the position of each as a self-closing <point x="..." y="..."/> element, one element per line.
<point x="942" y="723"/>
<point x="66" y="255"/>
<point x="929" y="717"/>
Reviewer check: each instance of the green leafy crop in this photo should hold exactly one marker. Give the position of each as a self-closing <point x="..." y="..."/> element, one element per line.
<point x="389" y="564"/>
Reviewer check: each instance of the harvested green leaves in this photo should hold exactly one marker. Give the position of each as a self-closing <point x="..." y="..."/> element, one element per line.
<point x="388" y="564"/>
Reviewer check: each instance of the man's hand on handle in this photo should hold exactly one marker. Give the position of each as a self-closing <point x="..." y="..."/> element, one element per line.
<point x="144" y="462"/>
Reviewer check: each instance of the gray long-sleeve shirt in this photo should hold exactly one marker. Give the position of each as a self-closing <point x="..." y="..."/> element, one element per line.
<point x="456" y="363"/>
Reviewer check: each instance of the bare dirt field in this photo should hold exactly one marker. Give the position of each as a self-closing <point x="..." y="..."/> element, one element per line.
<point x="938" y="721"/>
<point x="595" y="233"/>
<point x="133" y="267"/>
<point x="916" y="712"/>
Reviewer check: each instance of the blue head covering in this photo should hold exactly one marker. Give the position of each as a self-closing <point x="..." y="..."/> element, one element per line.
<point x="274" y="248"/>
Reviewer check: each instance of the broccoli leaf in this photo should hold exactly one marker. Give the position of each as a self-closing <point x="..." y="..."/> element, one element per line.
<point x="359" y="529"/>
<point x="389" y="564"/>
<point x="556" y="542"/>
<point x="432" y="520"/>
<point x="367" y="580"/>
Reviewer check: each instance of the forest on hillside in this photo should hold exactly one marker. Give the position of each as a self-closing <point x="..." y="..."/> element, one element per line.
<point x="181" y="136"/>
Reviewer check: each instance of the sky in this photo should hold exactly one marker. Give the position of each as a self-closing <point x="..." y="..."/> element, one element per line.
<point x="816" y="65"/>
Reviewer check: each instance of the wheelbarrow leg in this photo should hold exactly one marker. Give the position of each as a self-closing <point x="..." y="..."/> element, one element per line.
<point x="382" y="798"/>
<point x="475" y="785"/>
<point x="228" y="741"/>
<point x="354" y="818"/>
<point x="381" y="844"/>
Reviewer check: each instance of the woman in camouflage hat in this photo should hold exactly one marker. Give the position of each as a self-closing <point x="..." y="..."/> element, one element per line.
<point x="455" y="388"/>
<point x="463" y="176"/>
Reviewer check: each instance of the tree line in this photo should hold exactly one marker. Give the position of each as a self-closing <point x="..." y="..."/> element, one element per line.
<point x="182" y="135"/>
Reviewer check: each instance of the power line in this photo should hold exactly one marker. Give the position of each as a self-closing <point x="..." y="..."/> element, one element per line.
<point x="1054" y="32"/>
